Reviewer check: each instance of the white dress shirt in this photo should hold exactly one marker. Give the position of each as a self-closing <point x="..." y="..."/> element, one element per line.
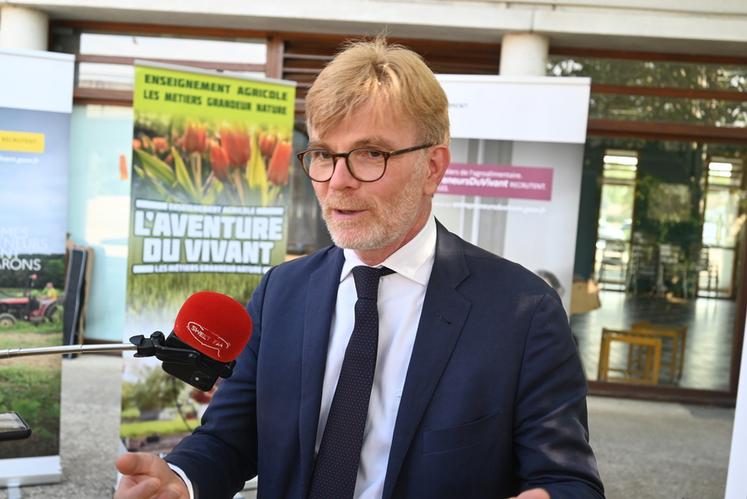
<point x="400" y="302"/>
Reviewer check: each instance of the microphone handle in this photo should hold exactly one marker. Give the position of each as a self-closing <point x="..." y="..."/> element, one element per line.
<point x="24" y="352"/>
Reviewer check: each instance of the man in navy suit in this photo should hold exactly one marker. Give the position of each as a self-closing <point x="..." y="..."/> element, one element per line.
<point x="475" y="389"/>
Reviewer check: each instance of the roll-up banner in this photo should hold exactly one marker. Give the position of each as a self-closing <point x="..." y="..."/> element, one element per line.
<point x="211" y="160"/>
<point x="515" y="182"/>
<point x="35" y="113"/>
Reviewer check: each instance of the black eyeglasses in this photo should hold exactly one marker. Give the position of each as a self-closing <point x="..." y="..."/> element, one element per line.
<point x="364" y="163"/>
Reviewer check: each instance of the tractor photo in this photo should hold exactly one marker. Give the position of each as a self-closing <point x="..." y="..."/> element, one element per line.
<point x="27" y="308"/>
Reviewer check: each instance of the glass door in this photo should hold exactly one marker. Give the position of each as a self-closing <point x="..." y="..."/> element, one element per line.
<point x="721" y="223"/>
<point x="612" y="256"/>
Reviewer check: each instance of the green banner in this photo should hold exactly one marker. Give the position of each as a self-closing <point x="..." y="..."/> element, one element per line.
<point x="211" y="160"/>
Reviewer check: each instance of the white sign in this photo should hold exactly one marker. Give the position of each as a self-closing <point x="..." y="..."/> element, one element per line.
<point x="36" y="80"/>
<point x="527" y="109"/>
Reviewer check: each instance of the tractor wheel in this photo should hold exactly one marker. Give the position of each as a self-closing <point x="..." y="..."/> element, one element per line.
<point x="7" y="320"/>
<point x="53" y="313"/>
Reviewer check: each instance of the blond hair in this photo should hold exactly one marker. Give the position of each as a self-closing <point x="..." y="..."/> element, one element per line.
<point x="392" y="77"/>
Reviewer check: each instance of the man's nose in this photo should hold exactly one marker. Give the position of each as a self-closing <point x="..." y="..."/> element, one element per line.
<point x="341" y="176"/>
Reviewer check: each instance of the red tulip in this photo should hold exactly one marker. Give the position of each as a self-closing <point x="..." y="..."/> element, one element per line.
<point x="194" y="137"/>
<point x="160" y="145"/>
<point x="219" y="161"/>
<point x="277" y="171"/>
<point x="237" y="146"/>
<point x="267" y="142"/>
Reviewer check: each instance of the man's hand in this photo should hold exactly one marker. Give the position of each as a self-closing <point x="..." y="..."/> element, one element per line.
<point x="533" y="494"/>
<point x="147" y="476"/>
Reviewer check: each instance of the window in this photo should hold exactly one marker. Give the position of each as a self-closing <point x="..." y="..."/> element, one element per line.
<point x="721" y="225"/>
<point x="615" y="218"/>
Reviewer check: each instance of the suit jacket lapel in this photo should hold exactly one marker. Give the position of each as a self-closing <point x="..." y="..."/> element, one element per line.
<point x="444" y="313"/>
<point x="321" y="296"/>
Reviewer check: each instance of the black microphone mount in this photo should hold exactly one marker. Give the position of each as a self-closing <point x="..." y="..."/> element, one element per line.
<point x="179" y="359"/>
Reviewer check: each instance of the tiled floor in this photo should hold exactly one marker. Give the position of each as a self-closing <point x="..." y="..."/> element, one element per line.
<point x="710" y="328"/>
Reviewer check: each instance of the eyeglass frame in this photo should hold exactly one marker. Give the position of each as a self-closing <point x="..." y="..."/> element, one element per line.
<point x="335" y="155"/>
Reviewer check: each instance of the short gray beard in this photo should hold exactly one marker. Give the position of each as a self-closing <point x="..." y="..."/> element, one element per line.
<point x="394" y="222"/>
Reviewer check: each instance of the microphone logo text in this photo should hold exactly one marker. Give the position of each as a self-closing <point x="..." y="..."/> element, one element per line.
<point x="207" y="338"/>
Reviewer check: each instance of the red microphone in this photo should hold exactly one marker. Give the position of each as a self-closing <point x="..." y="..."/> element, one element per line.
<point x="214" y="324"/>
<point x="210" y="331"/>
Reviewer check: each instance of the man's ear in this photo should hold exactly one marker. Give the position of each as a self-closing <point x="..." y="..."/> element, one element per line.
<point x="438" y="161"/>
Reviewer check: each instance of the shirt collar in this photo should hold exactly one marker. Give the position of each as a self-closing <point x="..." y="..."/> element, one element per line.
<point x="414" y="260"/>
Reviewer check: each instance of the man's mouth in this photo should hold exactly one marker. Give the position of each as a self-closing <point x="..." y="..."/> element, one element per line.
<point x="345" y="207"/>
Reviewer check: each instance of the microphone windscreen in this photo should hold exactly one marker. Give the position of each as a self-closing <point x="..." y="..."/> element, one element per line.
<point x="214" y="324"/>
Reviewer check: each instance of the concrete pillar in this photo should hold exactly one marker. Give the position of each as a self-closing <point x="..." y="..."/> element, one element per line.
<point x="22" y="28"/>
<point x="524" y="54"/>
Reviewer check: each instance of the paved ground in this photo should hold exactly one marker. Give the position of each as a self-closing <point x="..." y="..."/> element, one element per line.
<point x="660" y="450"/>
<point x="645" y="449"/>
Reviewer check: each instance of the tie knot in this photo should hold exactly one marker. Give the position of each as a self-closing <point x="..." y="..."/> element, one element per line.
<point x="367" y="280"/>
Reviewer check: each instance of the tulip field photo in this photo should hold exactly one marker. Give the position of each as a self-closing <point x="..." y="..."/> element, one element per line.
<point x="209" y="163"/>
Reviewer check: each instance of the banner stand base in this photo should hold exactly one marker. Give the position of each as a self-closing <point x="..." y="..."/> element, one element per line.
<point x="23" y="471"/>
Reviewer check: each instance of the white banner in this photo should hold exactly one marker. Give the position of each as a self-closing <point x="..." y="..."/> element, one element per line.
<point x="36" y="95"/>
<point x="515" y="181"/>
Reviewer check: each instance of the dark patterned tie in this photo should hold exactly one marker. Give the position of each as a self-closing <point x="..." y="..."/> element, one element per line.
<point x="340" y="451"/>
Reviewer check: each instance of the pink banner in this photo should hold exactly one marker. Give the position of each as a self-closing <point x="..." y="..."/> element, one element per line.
<point x="498" y="181"/>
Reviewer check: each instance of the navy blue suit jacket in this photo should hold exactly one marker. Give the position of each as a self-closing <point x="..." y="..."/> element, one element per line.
<point x="493" y="403"/>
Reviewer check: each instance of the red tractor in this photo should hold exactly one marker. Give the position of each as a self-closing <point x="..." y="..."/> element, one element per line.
<point x="26" y="308"/>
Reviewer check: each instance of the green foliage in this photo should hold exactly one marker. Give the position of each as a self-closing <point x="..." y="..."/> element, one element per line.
<point x="652" y="73"/>
<point x="131" y="414"/>
<point x="155" y="392"/>
<point x="160" y="295"/>
<point x="660" y="74"/>
<point x="685" y="234"/>
<point x="29" y="337"/>
<point x="155" y="168"/>
<point x="29" y="409"/>
<point x="128" y="392"/>
<point x="683" y="231"/>
<point x="183" y="178"/>
<point x="34" y="393"/>
<point x="145" y="428"/>
<point x="52" y="329"/>
<point x="54" y="272"/>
